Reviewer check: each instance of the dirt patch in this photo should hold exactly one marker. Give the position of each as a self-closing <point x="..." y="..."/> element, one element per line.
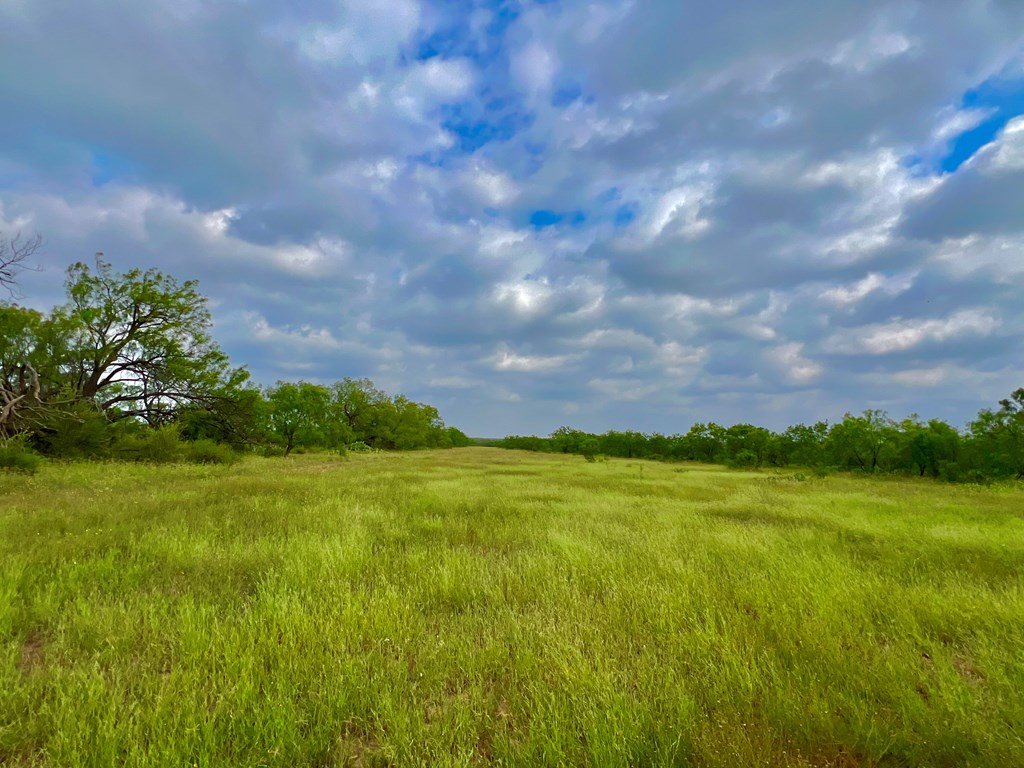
<point x="358" y="749"/>
<point x="32" y="653"/>
<point x="969" y="673"/>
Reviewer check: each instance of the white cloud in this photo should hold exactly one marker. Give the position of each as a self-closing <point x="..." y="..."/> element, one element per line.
<point x="525" y="296"/>
<point x="1002" y="257"/>
<point x="848" y="295"/>
<point x="534" y="68"/>
<point x="953" y="122"/>
<point x="746" y="192"/>
<point x="789" y="360"/>
<point x="869" y="51"/>
<point x="627" y="390"/>
<point x="510" y="361"/>
<point x="370" y="30"/>
<point x="436" y="81"/>
<point x="1009" y="149"/>
<point x="494" y="188"/>
<point x="901" y="335"/>
<point x="452" y="382"/>
<point x="294" y="339"/>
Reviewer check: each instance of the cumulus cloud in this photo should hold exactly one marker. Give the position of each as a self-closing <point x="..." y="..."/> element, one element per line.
<point x="629" y="215"/>
<point x="900" y="335"/>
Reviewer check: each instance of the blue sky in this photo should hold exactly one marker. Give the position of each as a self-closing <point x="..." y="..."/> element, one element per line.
<point x="604" y="214"/>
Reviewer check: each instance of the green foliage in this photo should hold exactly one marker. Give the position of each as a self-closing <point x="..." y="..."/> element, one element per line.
<point x="15" y="456"/>
<point x="358" y="447"/>
<point x="210" y="452"/>
<point x="237" y="417"/>
<point x="73" y="431"/>
<point x="160" y="445"/>
<point x="589" y="448"/>
<point x="350" y="412"/>
<point x="993" y="448"/>
<point x="744" y="459"/>
<point x="298" y="414"/>
<point x="138" y="343"/>
<point x="457" y="438"/>
<point x="135" y="348"/>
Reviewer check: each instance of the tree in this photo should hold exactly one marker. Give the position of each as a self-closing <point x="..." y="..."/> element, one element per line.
<point x="704" y="442"/>
<point x="862" y="442"/>
<point x="20" y="387"/>
<point x="803" y="445"/>
<point x="298" y="414"/>
<point x="747" y="439"/>
<point x="237" y="417"/>
<point x="1000" y="437"/>
<point x="457" y="438"/>
<point x="567" y="440"/>
<point x="138" y="343"/>
<point x="927" y="447"/>
<point x="360" y="410"/>
<point x="15" y="252"/>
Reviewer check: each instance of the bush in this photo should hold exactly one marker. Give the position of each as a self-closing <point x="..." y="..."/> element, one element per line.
<point x="743" y="460"/>
<point x="272" y="451"/>
<point x="358" y="447"/>
<point x="157" y="446"/>
<point x="79" y="431"/>
<point x="208" y="451"/>
<point x="15" y="457"/>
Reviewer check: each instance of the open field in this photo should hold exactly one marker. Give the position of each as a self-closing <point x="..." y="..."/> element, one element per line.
<point x="479" y="606"/>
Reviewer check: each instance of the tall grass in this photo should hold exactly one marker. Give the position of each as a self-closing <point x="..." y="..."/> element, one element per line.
<point x="477" y="607"/>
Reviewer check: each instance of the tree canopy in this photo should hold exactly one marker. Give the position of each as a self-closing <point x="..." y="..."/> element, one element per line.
<point x="135" y="349"/>
<point x="991" y="448"/>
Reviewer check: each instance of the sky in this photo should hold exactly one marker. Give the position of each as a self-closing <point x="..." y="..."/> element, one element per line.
<point x="608" y="215"/>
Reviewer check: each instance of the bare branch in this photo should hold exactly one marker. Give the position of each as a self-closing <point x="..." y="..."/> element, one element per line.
<point x="15" y="253"/>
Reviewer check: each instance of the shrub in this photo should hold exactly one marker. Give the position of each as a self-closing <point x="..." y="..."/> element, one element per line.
<point x="208" y="451"/>
<point x="358" y="447"/>
<point x="15" y="457"/>
<point x="743" y="459"/>
<point x="273" y="451"/>
<point x="79" y="431"/>
<point x="157" y="446"/>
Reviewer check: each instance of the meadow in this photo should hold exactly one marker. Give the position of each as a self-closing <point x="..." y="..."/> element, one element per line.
<point x="486" y="607"/>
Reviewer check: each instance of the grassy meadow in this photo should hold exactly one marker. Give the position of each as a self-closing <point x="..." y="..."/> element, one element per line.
<point x="487" y="607"/>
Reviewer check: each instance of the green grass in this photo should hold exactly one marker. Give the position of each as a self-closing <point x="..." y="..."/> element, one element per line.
<point x="489" y="607"/>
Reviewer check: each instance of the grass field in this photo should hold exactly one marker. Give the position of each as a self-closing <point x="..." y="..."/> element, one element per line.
<point x="480" y="606"/>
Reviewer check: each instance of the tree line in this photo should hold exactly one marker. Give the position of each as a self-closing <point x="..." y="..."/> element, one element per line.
<point x="127" y="367"/>
<point x="992" y="446"/>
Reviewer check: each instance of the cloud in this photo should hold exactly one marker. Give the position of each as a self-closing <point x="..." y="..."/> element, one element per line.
<point x="847" y="295"/>
<point x="794" y="366"/>
<point x="901" y="335"/>
<point x="754" y="221"/>
<point x="510" y="361"/>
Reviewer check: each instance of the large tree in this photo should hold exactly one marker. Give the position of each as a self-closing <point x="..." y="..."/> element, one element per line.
<point x="299" y="414"/>
<point x="999" y="437"/>
<point x="20" y="386"/>
<point x="863" y="442"/>
<point x="138" y="343"/>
